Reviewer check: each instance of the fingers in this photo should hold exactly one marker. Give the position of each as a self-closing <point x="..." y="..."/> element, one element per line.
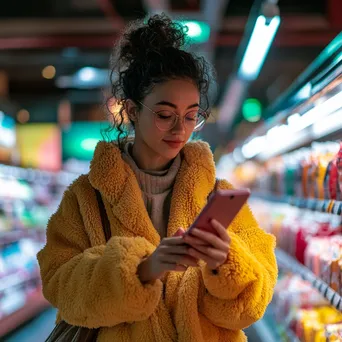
<point x="173" y="241"/>
<point x="212" y="239"/>
<point x="177" y="249"/>
<point x="174" y="267"/>
<point x="208" y="247"/>
<point x="180" y="268"/>
<point x="212" y="263"/>
<point x="186" y="260"/>
<point x="194" y="241"/>
<point x="221" y="230"/>
<point x="212" y="253"/>
<point x="179" y="232"/>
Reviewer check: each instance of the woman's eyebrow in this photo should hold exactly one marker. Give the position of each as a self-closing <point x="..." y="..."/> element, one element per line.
<point x="170" y="104"/>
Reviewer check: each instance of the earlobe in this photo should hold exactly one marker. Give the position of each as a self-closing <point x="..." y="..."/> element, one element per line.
<point x="131" y="110"/>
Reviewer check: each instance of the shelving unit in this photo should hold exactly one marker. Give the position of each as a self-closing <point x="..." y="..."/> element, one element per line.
<point x="324" y="206"/>
<point x="308" y="111"/>
<point x="265" y="332"/>
<point x="28" y="198"/>
<point x="34" y="304"/>
<point x="282" y="332"/>
<point x="16" y="235"/>
<point x="289" y="263"/>
<point x="62" y="178"/>
<point x="269" y="330"/>
<point x="291" y="336"/>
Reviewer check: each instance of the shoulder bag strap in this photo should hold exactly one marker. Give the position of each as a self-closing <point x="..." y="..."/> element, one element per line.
<point x="215" y="189"/>
<point x="104" y="216"/>
<point x="216" y="185"/>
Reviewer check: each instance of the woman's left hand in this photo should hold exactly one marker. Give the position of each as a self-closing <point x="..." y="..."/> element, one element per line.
<point x="211" y="248"/>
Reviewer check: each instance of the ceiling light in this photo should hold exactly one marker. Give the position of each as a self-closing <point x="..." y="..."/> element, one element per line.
<point x="23" y="116"/>
<point x="251" y="110"/>
<point x="86" y="74"/>
<point x="260" y="42"/>
<point x="49" y="72"/>
<point x="198" y="31"/>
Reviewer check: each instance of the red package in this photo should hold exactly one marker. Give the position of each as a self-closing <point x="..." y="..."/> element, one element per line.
<point x="339" y="169"/>
<point x="334" y="189"/>
<point x="322" y="229"/>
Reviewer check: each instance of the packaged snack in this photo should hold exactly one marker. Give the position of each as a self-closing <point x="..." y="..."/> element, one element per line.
<point x="290" y="178"/>
<point x="312" y="176"/>
<point x="323" y="257"/>
<point x="333" y="332"/>
<point x="322" y="166"/>
<point x="339" y="170"/>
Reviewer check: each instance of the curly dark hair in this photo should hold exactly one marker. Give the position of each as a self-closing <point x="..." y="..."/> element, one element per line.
<point x="151" y="52"/>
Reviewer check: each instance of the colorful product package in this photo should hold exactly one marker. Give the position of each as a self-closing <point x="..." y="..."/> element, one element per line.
<point x="323" y="256"/>
<point x="339" y="170"/>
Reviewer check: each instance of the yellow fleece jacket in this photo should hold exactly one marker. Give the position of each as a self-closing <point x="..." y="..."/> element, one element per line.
<point x="94" y="284"/>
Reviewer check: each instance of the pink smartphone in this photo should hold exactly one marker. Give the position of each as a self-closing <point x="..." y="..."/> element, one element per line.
<point x="223" y="206"/>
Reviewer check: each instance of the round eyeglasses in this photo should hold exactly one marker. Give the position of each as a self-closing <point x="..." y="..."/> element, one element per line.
<point x="165" y="120"/>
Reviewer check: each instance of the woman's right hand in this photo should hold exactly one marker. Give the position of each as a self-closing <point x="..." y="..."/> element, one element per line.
<point x="172" y="254"/>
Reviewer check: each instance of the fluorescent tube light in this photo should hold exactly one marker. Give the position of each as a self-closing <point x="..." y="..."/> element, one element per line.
<point x="323" y="119"/>
<point x="318" y="112"/>
<point x="276" y="147"/>
<point x="254" y="147"/>
<point x="258" y="47"/>
<point x="328" y="125"/>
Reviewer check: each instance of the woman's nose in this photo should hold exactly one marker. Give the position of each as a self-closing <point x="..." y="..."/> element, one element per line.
<point x="180" y="125"/>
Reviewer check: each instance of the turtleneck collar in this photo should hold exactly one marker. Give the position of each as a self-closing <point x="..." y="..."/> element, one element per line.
<point x="152" y="182"/>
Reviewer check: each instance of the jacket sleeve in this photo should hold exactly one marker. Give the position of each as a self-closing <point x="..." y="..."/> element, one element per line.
<point x="94" y="286"/>
<point x="238" y="295"/>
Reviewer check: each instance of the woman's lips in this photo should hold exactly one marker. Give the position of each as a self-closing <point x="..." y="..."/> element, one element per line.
<point x="173" y="143"/>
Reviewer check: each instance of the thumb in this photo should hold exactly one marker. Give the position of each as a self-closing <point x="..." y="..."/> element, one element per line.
<point x="179" y="232"/>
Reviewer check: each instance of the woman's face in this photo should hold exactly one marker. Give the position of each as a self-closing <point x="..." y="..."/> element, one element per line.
<point x="179" y="96"/>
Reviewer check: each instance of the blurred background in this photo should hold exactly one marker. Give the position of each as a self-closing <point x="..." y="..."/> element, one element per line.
<point x="276" y="128"/>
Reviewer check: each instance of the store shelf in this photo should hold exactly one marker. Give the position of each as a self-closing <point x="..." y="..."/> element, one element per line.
<point x="265" y="331"/>
<point x="9" y="237"/>
<point x="62" y="178"/>
<point x="17" y="279"/>
<point x="283" y="332"/>
<point x="291" y="264"/>
<point x="34" y="304"/>
<point x="291" y="336"/>
<point x="324" y="206"/>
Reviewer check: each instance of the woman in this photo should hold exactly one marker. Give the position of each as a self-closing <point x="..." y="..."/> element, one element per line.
<point x="151" y="282"/>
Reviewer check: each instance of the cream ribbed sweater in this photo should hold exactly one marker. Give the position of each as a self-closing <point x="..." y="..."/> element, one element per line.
<point x="156" y="188"/>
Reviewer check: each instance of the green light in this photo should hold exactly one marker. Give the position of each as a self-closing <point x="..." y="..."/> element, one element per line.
<point x="197" y="31"/>
<point x="89" y="144"/>
<point x="80" y="138"/>
<point x="251" y="110"/>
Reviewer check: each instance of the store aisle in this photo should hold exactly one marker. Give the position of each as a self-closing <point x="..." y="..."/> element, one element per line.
<point x="36" y="330"/>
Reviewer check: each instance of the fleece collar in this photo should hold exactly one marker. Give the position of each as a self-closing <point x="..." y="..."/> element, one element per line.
<point x="116" y="181"/>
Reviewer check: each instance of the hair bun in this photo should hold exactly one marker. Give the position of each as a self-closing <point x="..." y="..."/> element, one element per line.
<point x="157" y="35"/>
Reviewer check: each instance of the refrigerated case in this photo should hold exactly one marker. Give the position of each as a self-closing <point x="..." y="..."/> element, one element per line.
<point x="293" y="164"/>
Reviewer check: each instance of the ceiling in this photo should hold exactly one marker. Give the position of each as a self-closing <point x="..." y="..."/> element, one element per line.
<point x="77" y="33"/>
